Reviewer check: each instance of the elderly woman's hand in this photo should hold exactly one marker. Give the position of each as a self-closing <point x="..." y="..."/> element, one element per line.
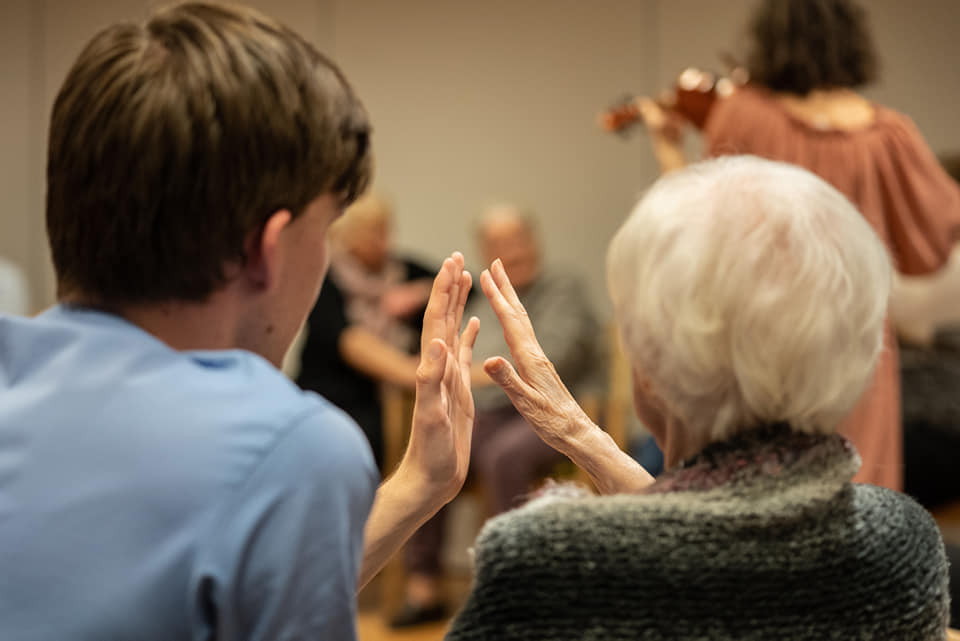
<point x="540" y="396"/>
<point x="534" y="388"/>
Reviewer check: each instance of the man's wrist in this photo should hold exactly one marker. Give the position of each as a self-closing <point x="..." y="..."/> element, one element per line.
<point x="413" y="488"/>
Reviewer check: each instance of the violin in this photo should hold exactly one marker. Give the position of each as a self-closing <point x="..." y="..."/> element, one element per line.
<point x="689" y="101"/>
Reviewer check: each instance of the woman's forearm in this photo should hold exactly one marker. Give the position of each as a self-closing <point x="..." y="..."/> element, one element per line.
<point x="612" y="470"/>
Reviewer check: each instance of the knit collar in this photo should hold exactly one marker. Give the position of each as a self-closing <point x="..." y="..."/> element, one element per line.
<point x="763" y="457"/>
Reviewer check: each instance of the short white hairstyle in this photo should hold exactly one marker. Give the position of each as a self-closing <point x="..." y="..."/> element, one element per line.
<point x="750" y="292"/>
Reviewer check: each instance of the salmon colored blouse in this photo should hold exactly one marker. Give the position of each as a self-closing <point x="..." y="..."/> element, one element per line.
<point x="887" y="170"/>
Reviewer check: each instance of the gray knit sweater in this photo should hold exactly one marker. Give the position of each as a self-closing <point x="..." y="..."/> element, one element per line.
<point x="761" y="537"/>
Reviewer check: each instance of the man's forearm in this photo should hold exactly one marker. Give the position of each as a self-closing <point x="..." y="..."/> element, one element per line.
<point x="402" y="505"/>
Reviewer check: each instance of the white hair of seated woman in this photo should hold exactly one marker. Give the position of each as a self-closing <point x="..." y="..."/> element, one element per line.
<point x="749" y="292"/>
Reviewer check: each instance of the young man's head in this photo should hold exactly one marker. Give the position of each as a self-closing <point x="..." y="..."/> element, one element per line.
<point x="184" y="150"/>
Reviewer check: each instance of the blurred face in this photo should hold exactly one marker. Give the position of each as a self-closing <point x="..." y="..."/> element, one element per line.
<point x="510" y="241"/>
<point x="369" y="242"/>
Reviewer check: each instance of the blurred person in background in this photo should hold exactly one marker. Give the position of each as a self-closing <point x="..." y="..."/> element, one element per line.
<point x="926" y="313"/>
<point x="363" y="330"/>
<point x="806" y="61"/>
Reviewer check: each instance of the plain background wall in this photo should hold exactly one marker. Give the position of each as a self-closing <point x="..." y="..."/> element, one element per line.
<point x="474" y="103"/>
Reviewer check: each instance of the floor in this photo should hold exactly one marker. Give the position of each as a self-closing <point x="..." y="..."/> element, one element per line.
<point x="383" y="593"/>
<point x="372" y="626"/>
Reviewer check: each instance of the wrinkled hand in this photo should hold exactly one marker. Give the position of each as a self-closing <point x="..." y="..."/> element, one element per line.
<point x="534" y="388"/>
<point x="439" y="448"/>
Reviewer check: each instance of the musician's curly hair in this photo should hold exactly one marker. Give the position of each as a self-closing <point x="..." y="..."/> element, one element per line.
<point x="801" y="45"/>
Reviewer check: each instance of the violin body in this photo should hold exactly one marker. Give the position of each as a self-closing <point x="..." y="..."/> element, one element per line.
<point x="689" y="101"/>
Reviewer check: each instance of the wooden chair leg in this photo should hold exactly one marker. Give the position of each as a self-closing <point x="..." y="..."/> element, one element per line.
<point x="397" y="416"/>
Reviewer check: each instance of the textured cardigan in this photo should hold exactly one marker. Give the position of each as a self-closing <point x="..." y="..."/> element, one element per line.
<point x="761" y="537"/>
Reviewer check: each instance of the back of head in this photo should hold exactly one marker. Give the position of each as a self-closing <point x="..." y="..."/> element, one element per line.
<point x="172" y="141"/>
<point x="750" y="292"/>
<point x="801" y="45"/>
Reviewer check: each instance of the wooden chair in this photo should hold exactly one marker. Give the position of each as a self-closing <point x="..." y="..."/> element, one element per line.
<point x="397" y="407"/>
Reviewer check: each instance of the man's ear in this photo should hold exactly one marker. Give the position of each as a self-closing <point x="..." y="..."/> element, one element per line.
<point x="264" y="248"/>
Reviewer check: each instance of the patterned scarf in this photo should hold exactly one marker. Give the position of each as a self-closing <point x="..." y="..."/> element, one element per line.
<point x="363" y="292"/>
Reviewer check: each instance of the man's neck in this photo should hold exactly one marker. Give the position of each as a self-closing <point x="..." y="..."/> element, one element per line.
<point x="183" y="325"/>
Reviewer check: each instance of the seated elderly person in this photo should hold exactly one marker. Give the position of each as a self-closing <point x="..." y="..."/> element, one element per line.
<point x="750" y="296"/>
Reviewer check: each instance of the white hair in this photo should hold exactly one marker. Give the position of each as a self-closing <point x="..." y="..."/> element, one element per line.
<point x="750" y="292"/>
<point x="506" y="212"/>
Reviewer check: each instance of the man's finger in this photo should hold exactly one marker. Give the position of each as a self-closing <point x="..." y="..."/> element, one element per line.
<point x="467" y="341"/>
<point x="434" y="317"/>
<point x="452" y="328"/>
<point x="466" y="281"/>
<point x="430" y="371"/>
<point x="454" y="310"/>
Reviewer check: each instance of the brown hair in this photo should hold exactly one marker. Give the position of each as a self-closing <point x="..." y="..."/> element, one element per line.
<point x="173" y="140"/>
<point x="801" y="45"/>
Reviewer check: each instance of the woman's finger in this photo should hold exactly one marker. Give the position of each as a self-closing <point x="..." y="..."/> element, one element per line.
<point x="517" y="329"/>
<point x="501" y="306"/>
<point x="506" y="377"/>
<point x="505" y="286"/>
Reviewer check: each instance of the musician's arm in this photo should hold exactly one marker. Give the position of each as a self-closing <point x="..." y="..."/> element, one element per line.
<point x="666" y="140"/>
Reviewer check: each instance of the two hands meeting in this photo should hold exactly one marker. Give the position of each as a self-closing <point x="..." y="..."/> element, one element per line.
<point x="434" y="466"/>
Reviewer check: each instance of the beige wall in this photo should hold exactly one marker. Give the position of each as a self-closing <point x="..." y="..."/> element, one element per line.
<point x="21" y="150"/>
<point x="474" y="102"/>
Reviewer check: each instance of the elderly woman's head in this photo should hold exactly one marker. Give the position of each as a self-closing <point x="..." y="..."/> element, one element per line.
<point x="748" y="292"/>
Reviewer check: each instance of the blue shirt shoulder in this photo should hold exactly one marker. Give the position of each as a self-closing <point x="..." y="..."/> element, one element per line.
<point x="156" y="494"/>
